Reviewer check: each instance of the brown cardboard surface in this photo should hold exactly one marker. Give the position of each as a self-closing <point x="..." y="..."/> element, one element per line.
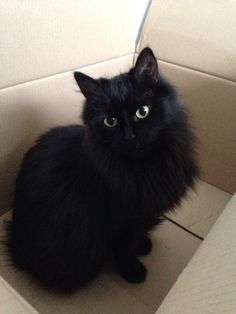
<point x="208" y="283"/>
<point x="39" y="38"/>
<point x="201" y="208"/>
<point x="12" y="302"/>
<point x="199" y="35"/>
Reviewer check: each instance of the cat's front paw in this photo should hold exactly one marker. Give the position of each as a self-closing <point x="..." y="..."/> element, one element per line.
<point x="144" y="246"/>
<point x="133" y="271"/>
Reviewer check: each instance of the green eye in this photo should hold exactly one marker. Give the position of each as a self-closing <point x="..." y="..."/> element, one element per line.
<point x="111" y="122"/>
<point x="142" y="112"/>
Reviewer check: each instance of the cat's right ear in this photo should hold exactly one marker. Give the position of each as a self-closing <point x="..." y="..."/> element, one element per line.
<point x="146" y="68"/>
<point x="87" y="85"/>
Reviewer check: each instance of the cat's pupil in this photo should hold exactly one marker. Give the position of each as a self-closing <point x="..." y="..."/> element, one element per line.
<point x="142" y="111"/>
<point x="110" y="121"/>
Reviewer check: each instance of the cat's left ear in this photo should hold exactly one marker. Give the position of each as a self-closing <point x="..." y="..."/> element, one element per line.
<point x="87" y="85"/>
<point x="146" y="68"/>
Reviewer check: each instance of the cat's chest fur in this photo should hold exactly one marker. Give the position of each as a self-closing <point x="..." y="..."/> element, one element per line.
<point x="146" y="187"/>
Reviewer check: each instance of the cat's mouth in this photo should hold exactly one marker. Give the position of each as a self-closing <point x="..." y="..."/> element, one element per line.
<point x="134" y="150"/>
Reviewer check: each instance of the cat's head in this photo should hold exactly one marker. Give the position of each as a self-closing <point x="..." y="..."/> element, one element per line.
<point x="128" y="112"/>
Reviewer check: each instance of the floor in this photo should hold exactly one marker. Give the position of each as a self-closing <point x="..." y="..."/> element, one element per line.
<point x="109" y="294"/>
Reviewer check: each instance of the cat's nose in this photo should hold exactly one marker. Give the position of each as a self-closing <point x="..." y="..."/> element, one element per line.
<point x="129" y="135"/>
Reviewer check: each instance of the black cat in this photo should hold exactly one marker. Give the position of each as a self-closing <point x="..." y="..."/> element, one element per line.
<point x="88" y="193"/>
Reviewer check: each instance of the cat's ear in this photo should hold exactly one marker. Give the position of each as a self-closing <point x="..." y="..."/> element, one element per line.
<point x="146" y="68"/>
<point x="87" y="85"/>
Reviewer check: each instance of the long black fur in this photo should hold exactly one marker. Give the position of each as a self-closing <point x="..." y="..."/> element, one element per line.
<point x="88" y="193"/>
